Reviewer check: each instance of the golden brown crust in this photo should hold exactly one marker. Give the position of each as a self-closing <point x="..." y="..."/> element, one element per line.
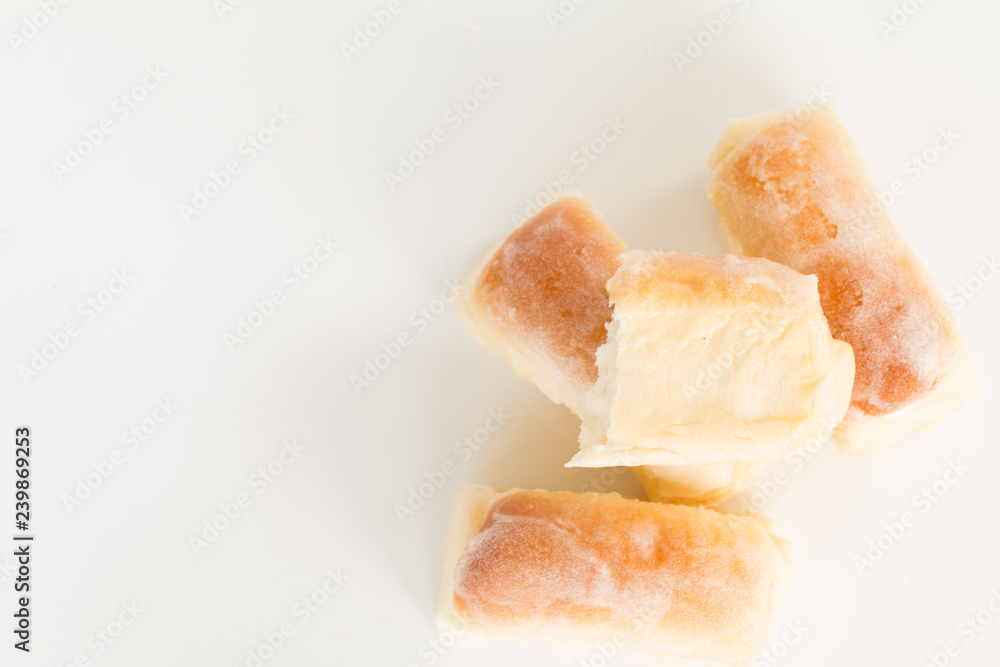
<point x="545" y="285"/>
<point x="794" y="189"/>
<point x="699" y="583"/>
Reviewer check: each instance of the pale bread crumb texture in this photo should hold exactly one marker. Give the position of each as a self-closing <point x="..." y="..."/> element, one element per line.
<point x="711" y="360"/>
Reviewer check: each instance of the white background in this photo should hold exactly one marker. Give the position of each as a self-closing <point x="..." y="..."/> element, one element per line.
<point x="323" y="176"/>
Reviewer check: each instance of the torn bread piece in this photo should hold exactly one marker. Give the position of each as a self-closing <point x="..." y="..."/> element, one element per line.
<point x="691" y="585"/>
<point x="539" y="300"/>
<point x="794" y="188"/>
<point x="711" y="360"/>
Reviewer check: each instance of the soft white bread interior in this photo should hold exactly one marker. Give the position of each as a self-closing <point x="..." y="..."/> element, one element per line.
<point x="793" y="187"/>
<point x="711" y="360"/>
<point x="689" y="585"/>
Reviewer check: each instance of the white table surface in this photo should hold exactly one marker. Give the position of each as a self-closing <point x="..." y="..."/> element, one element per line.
<point x="546" y="87"/>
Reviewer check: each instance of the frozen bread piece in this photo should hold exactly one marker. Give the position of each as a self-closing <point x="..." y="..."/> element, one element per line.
<point x="539" y="301"/>
<point x="793" y="188"/>
<point x="708" y="485"/>
<point x="711" y="360"/>
<point x="689" y="584"/>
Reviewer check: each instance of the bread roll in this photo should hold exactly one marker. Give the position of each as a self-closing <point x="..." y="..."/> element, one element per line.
<point x="681" y="583"/>
<point x="794" y="188"/>
<point x="539" y="301"/>
<point x="711" y="360"/>
<point x="705" y="485"/>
